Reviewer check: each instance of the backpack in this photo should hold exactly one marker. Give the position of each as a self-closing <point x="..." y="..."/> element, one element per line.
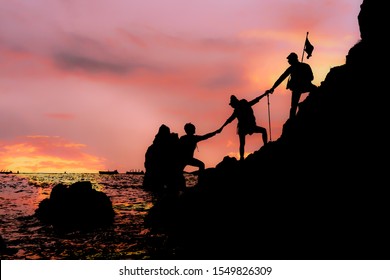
<point x="246" y="117"/>
<point x="300" y="77"/>
<point x="306" y="74"/>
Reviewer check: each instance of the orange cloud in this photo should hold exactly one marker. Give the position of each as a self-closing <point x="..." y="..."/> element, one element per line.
<point x="39" y="153"/>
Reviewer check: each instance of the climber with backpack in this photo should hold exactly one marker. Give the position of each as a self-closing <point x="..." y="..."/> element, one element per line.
<point x="246" y="121"/>
<point x="300" y="81"/>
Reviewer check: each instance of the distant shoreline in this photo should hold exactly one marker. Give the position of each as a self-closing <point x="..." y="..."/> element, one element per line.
<point x="14" y="173"/>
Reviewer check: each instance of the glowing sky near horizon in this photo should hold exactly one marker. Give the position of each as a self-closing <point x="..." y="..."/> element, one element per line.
<point x="85" y="85"/>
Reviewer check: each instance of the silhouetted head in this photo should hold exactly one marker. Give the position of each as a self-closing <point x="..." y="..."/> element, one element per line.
<point x="292" y="57"/>
<point x="233" y="100"/>
<point x="164" y="130"/>
<point x="189" y="128"/>
<point x="163" y="134"/>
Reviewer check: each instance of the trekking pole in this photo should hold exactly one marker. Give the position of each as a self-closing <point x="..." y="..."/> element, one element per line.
<point x="269" y="119"/>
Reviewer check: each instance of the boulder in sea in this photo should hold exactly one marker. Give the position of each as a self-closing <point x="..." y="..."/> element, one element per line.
<point x="76" y="207"/>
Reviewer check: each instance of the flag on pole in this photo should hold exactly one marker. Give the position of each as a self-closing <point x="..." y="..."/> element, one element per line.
<point x="308" y="48"/>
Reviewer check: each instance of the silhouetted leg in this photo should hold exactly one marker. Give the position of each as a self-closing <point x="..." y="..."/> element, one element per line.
<point x="263" y="132"/>
<point x="242" y="145"/>
<point x="294" y="103"/>
<point x="196" y="163"/>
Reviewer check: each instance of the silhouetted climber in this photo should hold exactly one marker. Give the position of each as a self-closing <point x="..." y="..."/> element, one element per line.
<point x="162" y="165"/>
<point x="188" y="143"/>
<point x="246" y="121"/>
<point x="300" y="81"/>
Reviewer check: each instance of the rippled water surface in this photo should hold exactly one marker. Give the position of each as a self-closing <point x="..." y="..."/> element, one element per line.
<point x="127" y="238"/>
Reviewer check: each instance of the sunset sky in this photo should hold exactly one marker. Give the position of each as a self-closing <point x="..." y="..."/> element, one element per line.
<point x="85" y="85"/>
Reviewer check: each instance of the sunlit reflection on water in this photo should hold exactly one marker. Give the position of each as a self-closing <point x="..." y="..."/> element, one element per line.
<point x="127" y="238"/>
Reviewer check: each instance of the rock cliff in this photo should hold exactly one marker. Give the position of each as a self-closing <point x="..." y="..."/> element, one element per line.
<point x="317" y="192"/>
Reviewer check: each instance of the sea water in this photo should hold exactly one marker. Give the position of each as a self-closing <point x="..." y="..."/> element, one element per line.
<point x="127" y="238"/>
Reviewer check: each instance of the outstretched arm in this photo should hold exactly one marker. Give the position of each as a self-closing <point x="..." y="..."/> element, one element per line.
<point x="209" y="135"/>
<point x="280" y="80"/>
<point x="229" y="120"/>
<point x="257" y="99"/>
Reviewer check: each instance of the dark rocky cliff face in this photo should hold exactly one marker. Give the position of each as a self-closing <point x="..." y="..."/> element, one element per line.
<point x="317" y="192"/>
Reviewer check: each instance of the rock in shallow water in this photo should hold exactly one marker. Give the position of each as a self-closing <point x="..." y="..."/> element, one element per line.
<point x="76" y="207"/>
